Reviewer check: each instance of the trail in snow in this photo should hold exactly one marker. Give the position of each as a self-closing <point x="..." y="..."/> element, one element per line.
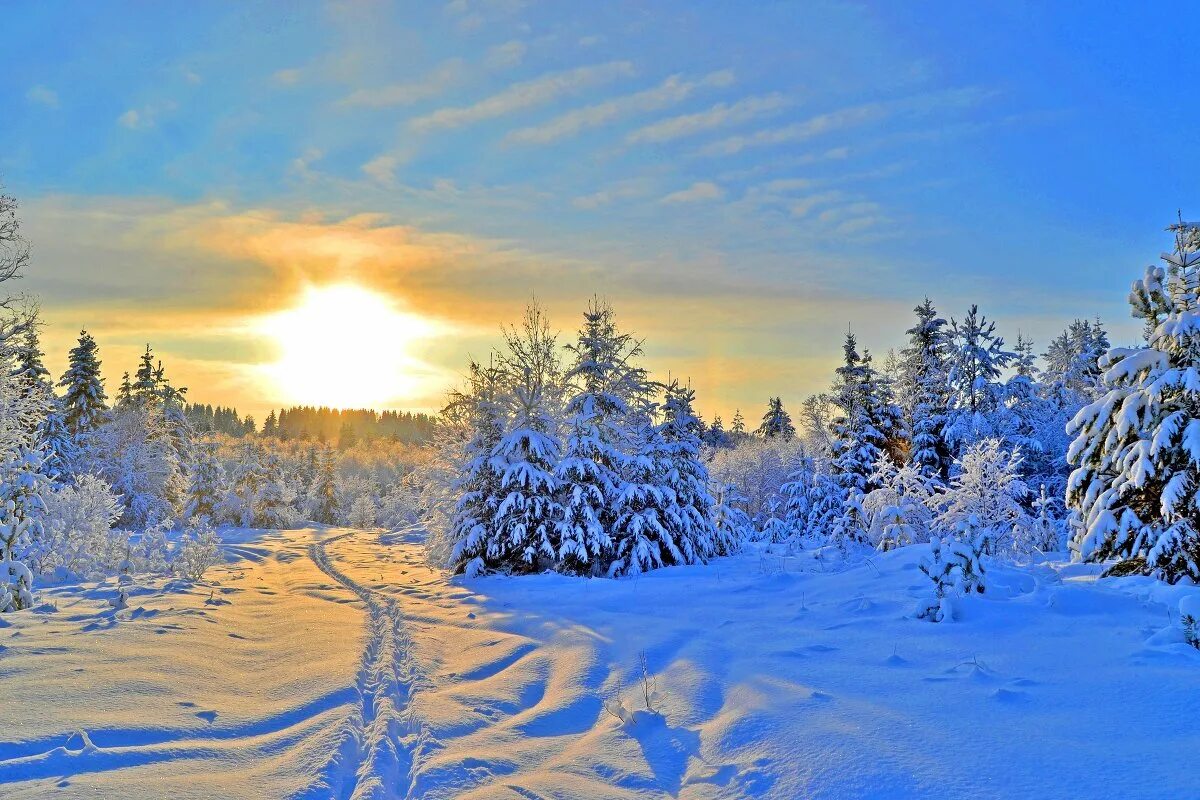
<point x="376" y="760"/>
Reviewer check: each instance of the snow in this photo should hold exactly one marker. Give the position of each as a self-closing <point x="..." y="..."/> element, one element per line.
<point x="334" y="662"/>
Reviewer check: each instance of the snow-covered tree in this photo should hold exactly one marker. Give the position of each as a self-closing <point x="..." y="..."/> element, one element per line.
<point x="776" y="422"/>
<point x="977" y="359"/>
<point x="898" y="511"/>
<point x="240" y="505"/>
<point x="642" y="532"/>
<point x="78" y="536"/>
<point x="322" y="493"/>
<point x="690" y="521"/>
<point x="477" y="484"/>
<point x="988" y="490"/>
<point x="206" y="487"/>
<point x="59" y="447"/>
<point x="605" y="379"/>
<point x="1137" y="448"/>
<point x="133" y="452"/>
<point x="527" y="520"/>
<point x="21" y="511"/>
<point x="865" y="421"/>
<point x="922" y="392"/>
<point x="955" y="565"/>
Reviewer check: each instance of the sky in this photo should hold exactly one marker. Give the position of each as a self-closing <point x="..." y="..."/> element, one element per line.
<point x="281" y="196"/>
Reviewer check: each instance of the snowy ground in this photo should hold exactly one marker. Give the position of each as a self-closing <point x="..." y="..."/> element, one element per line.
<point x="334" y="663"/>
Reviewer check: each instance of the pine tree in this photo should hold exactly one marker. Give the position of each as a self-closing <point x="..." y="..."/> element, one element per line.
<point x="738" y="428"/>
<point x="206" y="488"/>
<point x="716" y="436"/>
<point x="21" y="507"/>
<point x="776" y="422"/>
<point x="1137" y="448"/>
<point x="866" y="420"/>
<point x="472" y="523"/>
<point x="322" y="495"/>
<point x="955" y="565"/>
<point x="690" y="521"/>
<point x="84" y="403"/>
<point x="56" y="443"/>
<point x="922" y="392"/>
<point x="240" y="505"/>
<point x="642" y="535"/>
<point x="605" y="378"/>
<point x="977" y="358"/>
<point x="145" y="384"/>
<point x="270" y="426"/>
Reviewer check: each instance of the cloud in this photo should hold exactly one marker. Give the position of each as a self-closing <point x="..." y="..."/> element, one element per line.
<point x="699" y="192"/>
<point x="671" y="91"/>
<point x="144" y="118"/>
<point x="622" y="190"/>
<point x="287" y="77"/>
<point x="42" y="96"/>
<point x="405" y="94"/>
<point x="528" y="94"/>
<point x="508" y="54"/>
<point x="720" y="115"/>
<point x="850" y="117"/>
<point x="382" y="169"/>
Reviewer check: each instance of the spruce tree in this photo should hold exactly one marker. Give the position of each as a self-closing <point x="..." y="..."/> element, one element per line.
<point x="476" y="547"/>
<point x="865" y="421"/>
<point x="690" y="521"/>
<point x="642" y="534"/>
<point x="605" y="378"/>
<point x="21" y="509"/>
<point x="206" y="488"/>
<point x="776" y="422"/>
<point x="84" y="400"/>
<point x="1137" y="448"/>
<point x="322" y="494"/>
<point x="977" y="359"/>
<point x="922" y="392"/>
<point x="60" y="450"/>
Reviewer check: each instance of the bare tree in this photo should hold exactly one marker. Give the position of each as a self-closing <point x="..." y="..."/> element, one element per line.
<point x="14" y="249"/>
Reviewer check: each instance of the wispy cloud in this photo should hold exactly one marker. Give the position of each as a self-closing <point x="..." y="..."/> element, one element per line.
<point x="699" y="192"/>
<point x="846" y="118"/>
<point x="403" y="94"/>
<point x="719" y="116"/>
<point x="145" y="117"/>
<point x="673" y="90"/>
<point x="524" y="95"/>
<point x="504" y="55"/>
<point x="42" y="96"/>
<point x="621" y="190"/>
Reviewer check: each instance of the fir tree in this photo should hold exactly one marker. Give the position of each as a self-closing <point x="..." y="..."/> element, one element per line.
<point x="21" y="507"/>
<point x="866" y="420"/>
<point x="56" y="443"/>
<point x="642" y="535"/>
<point x="206" y="488"/>
<point x="84" y="403"/>
<point x="1137" y="448"/>
<point x="605" y="378"/>
<point x="776" y="422"/>
<point x="977" y="358"/>
<point x="738" y="427"/>
<point x="690" y="521"/>
<point x="922" y="392"/>
<point x="476" y="547"/>
<point x="322" y="494"/>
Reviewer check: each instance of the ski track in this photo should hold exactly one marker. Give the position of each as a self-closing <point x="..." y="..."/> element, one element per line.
<point x="377" y="758"/>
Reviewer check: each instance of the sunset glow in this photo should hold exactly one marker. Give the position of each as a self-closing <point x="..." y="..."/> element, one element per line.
<point x="345" y="346"/>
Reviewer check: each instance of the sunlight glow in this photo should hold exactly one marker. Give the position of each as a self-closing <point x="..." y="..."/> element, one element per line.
<point x="345" y="346"/>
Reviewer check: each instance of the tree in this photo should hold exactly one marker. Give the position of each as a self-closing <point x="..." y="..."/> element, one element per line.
<point x="133" y="452"/>
<point x="21" y="509"/>
<point x="955" y="565"/>
<point x="270" y="425"/>
<point x="55" y="441"/>
<point x="922" y="392"/>
<point x="738" y="428"/>
<point x="477" y="483"/>
<point x="642" y="536"/>
<point x="527" y="520"/>
<point x="977" y="358"/>
<point x="322" y="494"/>
<point x="1136" y="451"/>
<point x="776" y="422"/>
<point x="866" y="420"/>
<point x="690" y="519"/>
<point x="240" y="505"/>
<point x="84" y="400"/>
<point x="987" y="490"/>
<point x="206" y="488"/>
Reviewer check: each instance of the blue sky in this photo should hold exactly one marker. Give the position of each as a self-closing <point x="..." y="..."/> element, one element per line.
<point x="741" y="180"/>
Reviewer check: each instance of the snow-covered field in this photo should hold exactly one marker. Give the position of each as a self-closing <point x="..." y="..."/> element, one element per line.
<point x="320" y="663"/>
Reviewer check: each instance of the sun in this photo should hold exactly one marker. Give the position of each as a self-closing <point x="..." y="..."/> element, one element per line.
<point x="345" y="346"/>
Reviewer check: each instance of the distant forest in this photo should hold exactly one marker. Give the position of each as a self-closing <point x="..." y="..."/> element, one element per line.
<point x="344" y="427"/>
